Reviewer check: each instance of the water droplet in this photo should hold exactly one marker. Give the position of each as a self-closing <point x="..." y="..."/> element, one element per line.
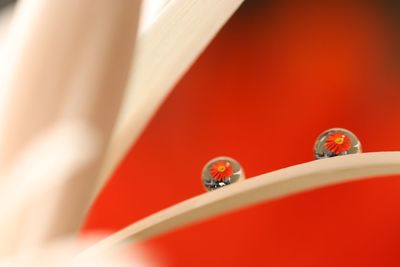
<point x="336" y="142"/>
<point x="220" y="172"/>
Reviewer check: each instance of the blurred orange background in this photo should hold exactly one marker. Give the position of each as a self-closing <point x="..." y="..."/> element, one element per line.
<point x="276" y="76"/>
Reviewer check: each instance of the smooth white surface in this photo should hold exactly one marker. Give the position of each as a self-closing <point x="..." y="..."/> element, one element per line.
<point x="151" y="10"/>
<point x="65" y="66"/>
<point x="5" y="19"/>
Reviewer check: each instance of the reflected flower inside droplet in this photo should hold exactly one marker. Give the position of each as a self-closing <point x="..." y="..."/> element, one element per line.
<point x="336" y="142"/>
<point x="220" y="172"/>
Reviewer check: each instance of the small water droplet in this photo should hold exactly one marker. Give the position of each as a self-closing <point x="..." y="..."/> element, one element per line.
<point x="336" y="142"/>
<point x="220" y="172"/>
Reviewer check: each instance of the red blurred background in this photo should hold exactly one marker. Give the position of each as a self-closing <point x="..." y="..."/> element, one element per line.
<point x="277" y="75"/>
